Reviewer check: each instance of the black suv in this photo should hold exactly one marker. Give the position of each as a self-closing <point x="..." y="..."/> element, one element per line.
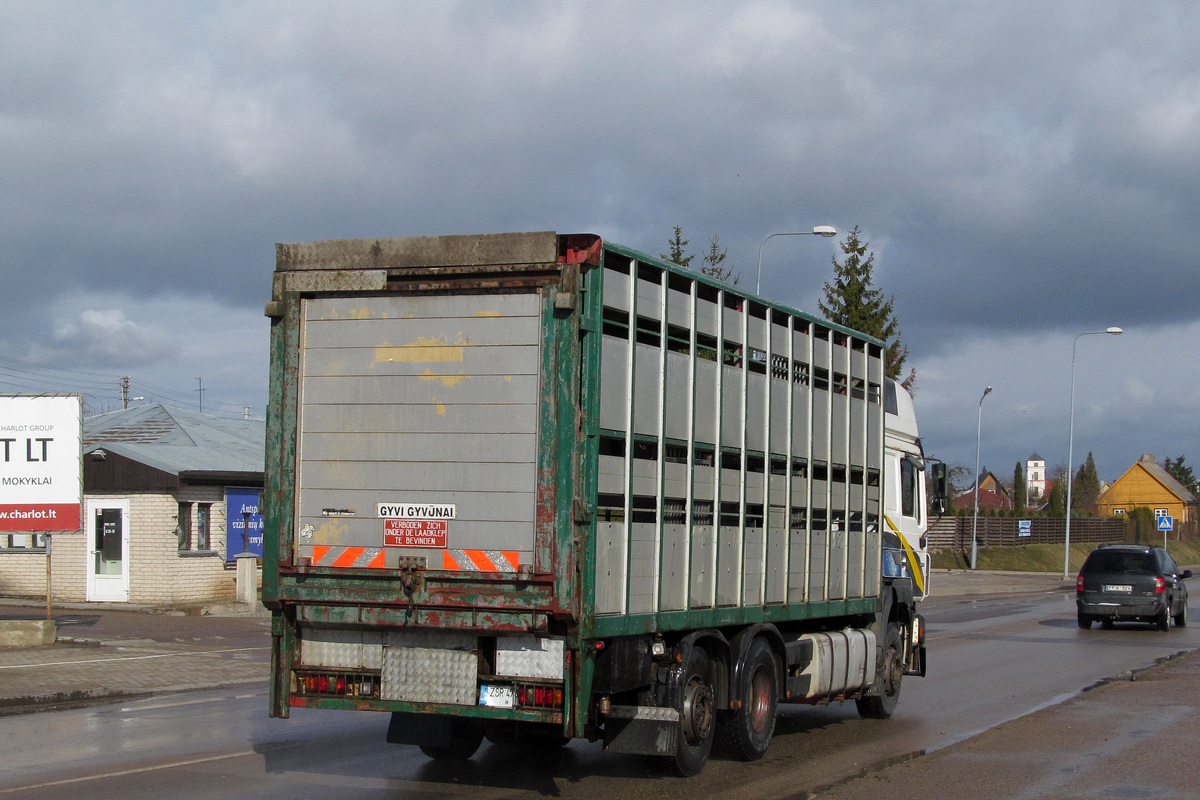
<point x="1133" y="582"/>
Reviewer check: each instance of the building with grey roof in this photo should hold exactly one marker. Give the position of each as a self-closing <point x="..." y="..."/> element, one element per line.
<point x="171" y="498"/>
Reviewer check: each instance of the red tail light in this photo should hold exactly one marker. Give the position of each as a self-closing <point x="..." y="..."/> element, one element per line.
<point x="1160" y="586"/>
<point x="540" y="696"/>
<point x="1079" y="582"/>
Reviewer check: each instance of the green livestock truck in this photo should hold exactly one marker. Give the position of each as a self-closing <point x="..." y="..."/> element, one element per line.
<point x="536" y="487"/>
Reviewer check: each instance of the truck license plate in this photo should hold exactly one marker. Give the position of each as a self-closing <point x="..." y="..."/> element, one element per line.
<point x="1118" y="587"/>
<point x="497" y="696"/>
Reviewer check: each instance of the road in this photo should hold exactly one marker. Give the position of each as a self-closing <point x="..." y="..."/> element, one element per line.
<point x="991" y="660"/>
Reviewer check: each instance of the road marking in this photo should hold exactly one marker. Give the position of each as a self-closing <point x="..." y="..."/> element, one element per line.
<point x="220" y="699"/>
<point x="130" y="658"/>
<point x="135" y="771"/>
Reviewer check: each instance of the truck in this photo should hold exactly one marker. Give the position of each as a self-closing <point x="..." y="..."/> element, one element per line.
<point x="538" y="487"/>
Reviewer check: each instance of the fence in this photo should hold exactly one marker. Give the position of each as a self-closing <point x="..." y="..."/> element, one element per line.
<point x="954" y="533"/>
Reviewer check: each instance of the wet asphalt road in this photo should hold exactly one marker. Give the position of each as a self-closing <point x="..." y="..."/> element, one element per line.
<point x="993" y="659"/>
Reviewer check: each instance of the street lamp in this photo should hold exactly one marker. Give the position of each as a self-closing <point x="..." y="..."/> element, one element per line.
<point x="1071" y="447"/>
<point x="975" y="520"/>
<point x="825" y="231"/>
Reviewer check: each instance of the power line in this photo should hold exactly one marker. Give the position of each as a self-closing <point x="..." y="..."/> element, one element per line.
<point x="100" y="389"/>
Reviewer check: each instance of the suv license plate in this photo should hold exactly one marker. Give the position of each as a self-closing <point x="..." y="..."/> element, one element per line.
<point x="1118" y="587"/>
<point x="497" y="696"/>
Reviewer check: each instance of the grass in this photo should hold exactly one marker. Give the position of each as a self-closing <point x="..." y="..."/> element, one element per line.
<point x="1046" y="557"/>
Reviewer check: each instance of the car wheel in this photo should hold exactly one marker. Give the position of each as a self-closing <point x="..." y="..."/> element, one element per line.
<point x="1164" y="619"/>
<point x="1085" y="621"/>
<point x="1181" y="617"/>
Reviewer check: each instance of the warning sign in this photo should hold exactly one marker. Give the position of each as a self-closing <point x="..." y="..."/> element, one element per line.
<point x="414" y="533"/>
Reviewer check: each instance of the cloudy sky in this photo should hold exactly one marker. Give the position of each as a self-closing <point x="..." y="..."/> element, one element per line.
<point x="1023" y="171"/>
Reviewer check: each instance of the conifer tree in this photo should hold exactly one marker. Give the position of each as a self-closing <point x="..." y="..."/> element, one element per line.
<point x="1086" y="490"/>
<point x="678" y="246"/>
<point x="1019" y="489"/>
<point x="853" y="301"/>
<point x="1180" y="472"/>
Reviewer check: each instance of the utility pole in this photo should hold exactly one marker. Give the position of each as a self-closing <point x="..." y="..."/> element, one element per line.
<point x="200" y="391"/>
<point x="124" y="392"/>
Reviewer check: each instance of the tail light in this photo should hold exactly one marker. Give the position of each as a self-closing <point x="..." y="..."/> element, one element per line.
<point x="529" y="696"/>
<point x="1160" y="586"/>
<point x="337" y="684"/>
<point x="1079" y="583"/>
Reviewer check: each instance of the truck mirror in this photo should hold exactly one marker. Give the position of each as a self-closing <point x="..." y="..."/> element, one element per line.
<point x="940" y="488"/>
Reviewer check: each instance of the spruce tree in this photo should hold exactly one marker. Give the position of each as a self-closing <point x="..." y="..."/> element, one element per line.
<point x="1086" y="490"/>
<point x="1180" y="472"/>
<point x="1019" y="489"/>
<point x="851" y="300"/>
<point x="678" y="246"/>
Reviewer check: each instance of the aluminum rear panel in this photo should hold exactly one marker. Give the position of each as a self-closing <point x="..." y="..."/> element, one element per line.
<point x="418" y="403"/>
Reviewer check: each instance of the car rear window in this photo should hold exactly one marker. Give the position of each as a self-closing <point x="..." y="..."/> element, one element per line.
<point x="1108" y="561"/>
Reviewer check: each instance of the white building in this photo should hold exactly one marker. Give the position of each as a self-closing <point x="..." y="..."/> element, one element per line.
<point x="1035" y="478"/>
<point x="170" y="499"/>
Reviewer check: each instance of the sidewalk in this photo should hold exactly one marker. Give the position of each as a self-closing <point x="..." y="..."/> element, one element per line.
<point x="111" y="650"/>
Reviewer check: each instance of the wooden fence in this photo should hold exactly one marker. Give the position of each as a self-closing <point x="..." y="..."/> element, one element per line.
<point x="950" y="533"/>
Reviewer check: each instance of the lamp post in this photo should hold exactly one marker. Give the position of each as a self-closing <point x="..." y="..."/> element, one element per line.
<point x="825" y="231"/>
<point x="975" y="519"/>
<point x="1071" y="447"/>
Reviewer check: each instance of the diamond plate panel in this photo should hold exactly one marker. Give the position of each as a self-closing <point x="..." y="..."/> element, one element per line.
<point x="429" y="675"/>
<point x="529" y="657"/>
<point x="336" y="649"/>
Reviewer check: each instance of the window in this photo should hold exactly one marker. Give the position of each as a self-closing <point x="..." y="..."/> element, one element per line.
<point x="183" y="526"/>
<point x="908" y="488"/>
<point x="24" y="542"/>
<point x="203" y="522"/>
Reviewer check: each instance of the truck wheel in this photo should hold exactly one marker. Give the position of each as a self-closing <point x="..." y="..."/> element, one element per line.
<point x="1181" y="617"/>
<point x="697" y="713"/>
<point x="757" y="700"/>
<point x="1085" y="621"/>
<point x="465" y="738"/>
<point x="882" y="704"/>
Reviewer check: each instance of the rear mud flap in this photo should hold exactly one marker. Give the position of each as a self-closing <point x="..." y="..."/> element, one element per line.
<point x="642" y="731"/>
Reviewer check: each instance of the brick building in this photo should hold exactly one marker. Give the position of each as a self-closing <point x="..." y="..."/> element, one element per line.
<point x="170" y="498"/>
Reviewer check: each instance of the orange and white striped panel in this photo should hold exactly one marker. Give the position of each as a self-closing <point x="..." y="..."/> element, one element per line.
<point x="480" y="560"/>
<point x="357" y="557"/>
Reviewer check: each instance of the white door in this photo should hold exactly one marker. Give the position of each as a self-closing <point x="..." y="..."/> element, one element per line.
<point x="108" y="551"/>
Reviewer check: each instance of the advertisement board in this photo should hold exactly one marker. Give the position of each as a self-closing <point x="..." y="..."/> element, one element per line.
<point x="41" y="483"/>
<point x="243" y="522"/>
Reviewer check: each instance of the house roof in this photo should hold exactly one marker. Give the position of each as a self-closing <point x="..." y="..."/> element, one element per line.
<point x="178" y="441"/>
<point x="1168" y="481"/>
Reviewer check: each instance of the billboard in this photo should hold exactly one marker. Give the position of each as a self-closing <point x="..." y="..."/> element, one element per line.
<point x="243" y="522"/>
<point x="41" y="484"/>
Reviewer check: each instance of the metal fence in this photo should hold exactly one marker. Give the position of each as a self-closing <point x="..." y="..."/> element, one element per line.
<point x="950" y="533"/>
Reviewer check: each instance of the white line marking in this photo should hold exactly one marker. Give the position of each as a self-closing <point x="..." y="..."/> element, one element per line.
<point x="129" y="658"/>
<point x="135" y="771"/>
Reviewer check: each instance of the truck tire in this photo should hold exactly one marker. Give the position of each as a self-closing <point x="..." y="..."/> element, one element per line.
<point x="757" y="701"/>
<point x="697" y="709"/>
<point x="465" y="738"/>
<point x="1181" y="617"/>
<point x="1084" y="620"/>
<point x="882" y="703"/>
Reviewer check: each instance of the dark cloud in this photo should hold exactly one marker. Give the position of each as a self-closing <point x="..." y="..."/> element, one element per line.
<point x="1023" y="170"/>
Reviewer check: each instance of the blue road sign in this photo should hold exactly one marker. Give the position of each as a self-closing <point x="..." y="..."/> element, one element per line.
<point x="1166" y="523"/>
